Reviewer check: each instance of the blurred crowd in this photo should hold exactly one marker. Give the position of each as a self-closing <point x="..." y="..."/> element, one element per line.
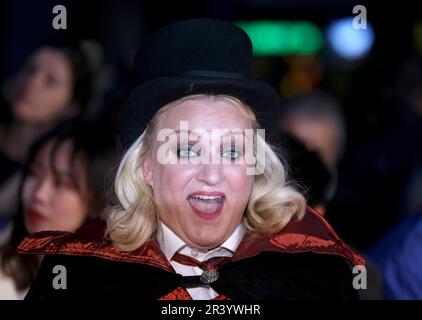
<point x="59" y="150"/>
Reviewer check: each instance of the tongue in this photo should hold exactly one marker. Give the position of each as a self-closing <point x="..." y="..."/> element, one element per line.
<point x="208" y="206"/>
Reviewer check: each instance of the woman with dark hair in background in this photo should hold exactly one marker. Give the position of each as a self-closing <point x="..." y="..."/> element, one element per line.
<point x="63" y="186"/>
<point x="53" y="85"/>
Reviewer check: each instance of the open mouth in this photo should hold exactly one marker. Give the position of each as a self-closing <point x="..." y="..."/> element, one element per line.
<point x="206" y="206"/>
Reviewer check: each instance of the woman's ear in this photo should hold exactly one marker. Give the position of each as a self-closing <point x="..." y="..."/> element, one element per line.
<point x="147" y="171"/>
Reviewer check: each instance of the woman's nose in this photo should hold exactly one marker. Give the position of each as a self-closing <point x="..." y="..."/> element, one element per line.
<point x="42" y="191"/>
<point x="210" y="174"/>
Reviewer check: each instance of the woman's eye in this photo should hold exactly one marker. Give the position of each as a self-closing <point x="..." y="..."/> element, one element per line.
<point x="61" y="182"/>
<point x="30" y="69"/>
<point x="231" y="153"/>
<point x="50" y="81"/>
<point x="187" y="152"/>
<point x="32" y="172"/>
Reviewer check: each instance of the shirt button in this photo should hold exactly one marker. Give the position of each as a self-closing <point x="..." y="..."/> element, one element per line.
<point x="194" y="252"/>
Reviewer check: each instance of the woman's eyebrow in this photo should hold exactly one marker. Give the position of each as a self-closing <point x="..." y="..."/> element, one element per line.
<point x="235" y="137"/>
<point x="62" y="174"/>
<point x="231" y="136"/>
<point x="227" y="133"/>
<point x="175" y="132"/>
<point x="234" y="133"/>
<point x="179" y="131"/>
<point x="190" y="137"/>
<point x="65" y="173"/>
<point x="36" y="164"/>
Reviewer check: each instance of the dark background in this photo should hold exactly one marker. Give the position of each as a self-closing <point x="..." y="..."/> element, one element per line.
<point x="383" y="135"/>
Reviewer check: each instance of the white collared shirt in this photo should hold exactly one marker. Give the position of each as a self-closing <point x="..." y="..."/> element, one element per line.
<point x="170" y="244"/>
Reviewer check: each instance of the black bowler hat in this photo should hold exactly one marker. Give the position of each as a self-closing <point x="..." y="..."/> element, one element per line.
<point x="197" y="56"/>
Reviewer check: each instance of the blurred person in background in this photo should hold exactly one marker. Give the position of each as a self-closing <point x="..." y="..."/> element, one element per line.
<point x="53" y="85"/>
<point x="390" y="158"/>
<point x="313" y="178"/>
<point x="398" y="255"/>
<point x="307" y="169"/>
<point x="64" y="185"/>
<point x="317" y="121"/>
<point x="398" y="251"/>
<point x="408" y="117"/>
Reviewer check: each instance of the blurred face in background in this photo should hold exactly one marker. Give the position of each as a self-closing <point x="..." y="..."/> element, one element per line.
<point x="43" y="90"/>
<point x="51" y="198"/>
<point x="319" y="135"/>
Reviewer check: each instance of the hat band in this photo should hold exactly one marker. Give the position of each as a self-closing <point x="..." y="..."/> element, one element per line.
<point x="213" y="74"/>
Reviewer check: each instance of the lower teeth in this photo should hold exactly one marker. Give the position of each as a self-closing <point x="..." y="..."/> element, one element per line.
<point x="209" y="205"/>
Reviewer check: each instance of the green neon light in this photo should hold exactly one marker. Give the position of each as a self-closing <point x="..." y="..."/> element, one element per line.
<point x="283" y="37"/>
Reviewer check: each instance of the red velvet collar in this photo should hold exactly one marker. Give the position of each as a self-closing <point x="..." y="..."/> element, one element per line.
<point x="311" y="234"/>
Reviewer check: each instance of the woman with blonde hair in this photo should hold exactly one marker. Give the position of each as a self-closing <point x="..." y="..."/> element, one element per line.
<point x="203" y="209"/>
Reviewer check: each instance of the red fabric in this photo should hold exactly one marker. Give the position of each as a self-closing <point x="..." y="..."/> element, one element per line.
<point x="210" y="264"/>
<point x="90" y="241"/>
<point x="221" y="297"/>
<point x="180" y="293"/>
<point x="311" y="234"/>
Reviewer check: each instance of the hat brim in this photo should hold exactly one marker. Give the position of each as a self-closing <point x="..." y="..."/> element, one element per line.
<point x="149" y="97"/>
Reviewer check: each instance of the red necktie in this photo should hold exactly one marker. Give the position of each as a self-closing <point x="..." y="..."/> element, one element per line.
<point x="209" y="266"/>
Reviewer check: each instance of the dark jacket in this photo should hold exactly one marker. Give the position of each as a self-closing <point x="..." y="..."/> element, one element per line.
<point x="306" y="260"/>
<point x="398" y="255"/>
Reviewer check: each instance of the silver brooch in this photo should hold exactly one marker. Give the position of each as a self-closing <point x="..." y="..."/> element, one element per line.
<point x="209" y="276"/>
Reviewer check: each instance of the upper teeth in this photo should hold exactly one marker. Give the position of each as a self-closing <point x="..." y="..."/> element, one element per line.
<point x="203" y="197"/>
